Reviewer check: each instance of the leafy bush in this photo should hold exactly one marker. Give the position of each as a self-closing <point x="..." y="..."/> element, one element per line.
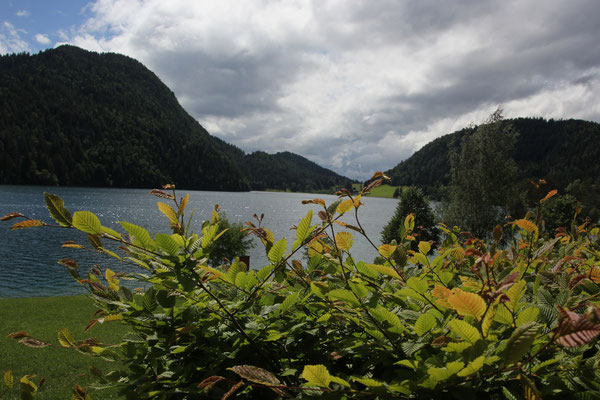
<point x="412" y="201"/>
<point x="233" y="243"/>
<point x="474" y="321"/>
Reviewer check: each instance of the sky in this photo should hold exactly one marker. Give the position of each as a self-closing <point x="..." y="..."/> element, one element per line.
<point x="354" y="85"/>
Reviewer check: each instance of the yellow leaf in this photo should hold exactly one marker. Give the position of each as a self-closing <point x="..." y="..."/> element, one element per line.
<point x="442" y="293"/>
<point x="424" y="247"/>
<point x="345" y="206"/>
<point x="317" y="375"/>
<point x="344" y="240"/>
<point x="595" y="275"/>
<point x="514" y="294"/>
<point x="168" y="211"/>
<point x="550" y="194"/>
<point x="183" y="204"/>
<point x="382" y="269"/>
<point x="526" y="225"/>
<point x="386" y="250"/>
<point x="113" y="283"/>
<point x="26" y="224"/>
<point x="467" y="304"/>
<point x="357" y="202"/>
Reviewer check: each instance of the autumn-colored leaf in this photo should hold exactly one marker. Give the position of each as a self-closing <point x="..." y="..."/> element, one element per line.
<point x="30" y="223"/>
<point x="466" y="303"/>
<point x="526" y="225"/>
<point x="550" y="194"/>
<point x="255" y="374"/>
<point x="344" y="240"/>
<point x="10" y="216"/>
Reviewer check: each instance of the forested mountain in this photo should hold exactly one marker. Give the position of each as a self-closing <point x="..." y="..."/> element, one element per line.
<point x="559" y="151"/>
<point x="77" y="118"/>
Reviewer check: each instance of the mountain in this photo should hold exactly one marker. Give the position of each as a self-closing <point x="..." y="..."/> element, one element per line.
<point x="559" y="151"/>
<point x="77" y="118"/>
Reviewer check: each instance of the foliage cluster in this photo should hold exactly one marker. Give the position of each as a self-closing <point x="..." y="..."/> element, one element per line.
<point x="562" y="152"/>
<point x="470" y="320"/>
<point x="79" y="118"/>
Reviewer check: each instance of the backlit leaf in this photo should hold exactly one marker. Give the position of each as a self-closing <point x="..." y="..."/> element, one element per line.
<point x="65" y="338"/>
<point x="368" y="382"/>
<point x="10" y="216"/>
<point x="528" y="314"/>
<point x="344" y="240"/>
<point x="56" y="207"/>
<point x="288" y="302"/>
<point x="520" y="342"/>
<point x="344" y="295"/>
<point x="168" y="211"/>
<point x="550" y="194"/>
<point x="472" y="367"/>
<point x="317" y="375"/>
<point x="141" y="236"/>
<point x="514" y="294"/>
<point x="466" y="303"/>
<point x="8" y="379"/>
<point x="32" y="342"/>
<point x="87" y="222"/>
<point x="386" y="250"/>
<point x="345" y="206"/>
<point x="424" y="247"/>
<point x="30" y="223"/>
<point x="167" y="244"/>
<point x="382" y="269"/>
<point x="303" y="229"/>
<point x="182" y="204"/>
<point x="441" y="374"/>
<point x="526" y="225"/>
<point x="464" y="330"/>
<point x="531" y="392"/>
<point x="277" y="251"/>
<point x="424" y="324"/>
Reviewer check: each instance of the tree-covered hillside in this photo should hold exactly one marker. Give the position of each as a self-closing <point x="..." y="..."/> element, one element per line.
<point x="559" y="151"/>
<point x="77" y="118"/>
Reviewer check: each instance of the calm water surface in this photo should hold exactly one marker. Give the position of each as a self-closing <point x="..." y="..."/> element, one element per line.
<point x="29" y="257"/>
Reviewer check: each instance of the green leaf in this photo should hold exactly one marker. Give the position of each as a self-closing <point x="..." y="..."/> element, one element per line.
<point x="368" y="382"/>
<point x="288" y="302"/>
<point x="441" y="374"/>
<point x="383" y="314"/>
<point x="8" y="379"/>
<point x="167" y="244"/>
<point x="472" y="367"/>
<point x="264" y="272"/>
<point x="424" y="324"/>
<point x="303" y="229"/>
<point x="340" y="381"/>
<point x="419" y="285"/>
<point x="168" y="211"/>
<point x="56" y="207"/>
<point x="507" y="394"/>
<point x="277" y="251"/>
<point x="365" y="270"/>
<point x="359" y="289"/>
<point x="465" y="330"/>
<point x="87" y="222"/>
<point x="520" y="342"/>
<point x="529" y="314"/>
<point x="344" y="295"/>
<point x="317" y="375"/>
<point x="141" y="236"/>
<point x="149" y="300"/>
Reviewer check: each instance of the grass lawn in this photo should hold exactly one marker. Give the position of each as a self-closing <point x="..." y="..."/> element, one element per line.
<point x="63" y="368"/>
<point x="380" y="191"/>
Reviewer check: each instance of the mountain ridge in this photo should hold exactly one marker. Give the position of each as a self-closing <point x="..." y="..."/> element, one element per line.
<point x="78" y="118"/>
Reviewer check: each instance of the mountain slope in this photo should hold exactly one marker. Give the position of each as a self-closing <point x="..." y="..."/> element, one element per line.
<point x="78" y="118"/>
<point x="560" y="151"/>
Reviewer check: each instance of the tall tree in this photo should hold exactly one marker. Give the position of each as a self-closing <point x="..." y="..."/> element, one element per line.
<point x="483" y="173"/>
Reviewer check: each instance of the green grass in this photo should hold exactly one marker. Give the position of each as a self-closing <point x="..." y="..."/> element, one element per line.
<point x="380" y="191"/>
<point x="63" y="368"/>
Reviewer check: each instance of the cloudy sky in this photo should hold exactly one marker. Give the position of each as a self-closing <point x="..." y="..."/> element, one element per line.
<point x="355" y="86"/>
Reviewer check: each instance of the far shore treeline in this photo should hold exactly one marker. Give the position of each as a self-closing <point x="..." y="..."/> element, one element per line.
<point x="71" y="117"/>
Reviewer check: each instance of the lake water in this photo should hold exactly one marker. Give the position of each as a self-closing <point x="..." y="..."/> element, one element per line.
<point x="29" y="257"/>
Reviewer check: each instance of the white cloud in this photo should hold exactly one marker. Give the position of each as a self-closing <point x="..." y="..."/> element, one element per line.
<point x="10" y="39"/>
<point x="42" y="38"/>
<point x="357" y="86"/>
<point x="23" y="13"/>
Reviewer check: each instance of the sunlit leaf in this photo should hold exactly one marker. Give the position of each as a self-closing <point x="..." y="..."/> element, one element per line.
<point x="277" y="251"/>
<point x="288" y="302"/>
<point x="550" y="194"/>
<point x="424" y="247"/>
<point x="303" y="229"/>
<point x="472" y="367"/>
<point x="167" y="244"/>
<point x="8" y="379"/>
<point x="317" y="375"/>
<point x="368" y="382"/>
<point x="464" y="330"/>
<point x="141" y="237"/>
<point x="424" y="324"/>
<point x="344" y="295"/>
<point x="87" y="222"/>
<point x="345" y="206"/>
<point x="526" y="225"/>
<point x="466" y="303"/>
<point x="65" y="338"/>
<point x="382" y="269"/>
<point x="30" y="223"/>
<point x="344" y="240"/>
<point x="386" y="250"/>
<point x="168" y="211"/>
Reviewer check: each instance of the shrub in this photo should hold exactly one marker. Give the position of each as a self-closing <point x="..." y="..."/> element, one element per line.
<point x="473" y="321"/>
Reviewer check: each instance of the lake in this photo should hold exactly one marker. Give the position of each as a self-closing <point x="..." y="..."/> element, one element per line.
<point x="29" y="257"/>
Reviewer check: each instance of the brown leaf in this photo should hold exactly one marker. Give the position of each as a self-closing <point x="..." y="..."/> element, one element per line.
<point x="233" y="389"/>
<point x="10" y="216"/>
<point x="30" y="223"/>
<point x="32" y="342"/>
<point x="160" y="193"/>
<point x="18" y="335"/>
<point x="256" y="374"/>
